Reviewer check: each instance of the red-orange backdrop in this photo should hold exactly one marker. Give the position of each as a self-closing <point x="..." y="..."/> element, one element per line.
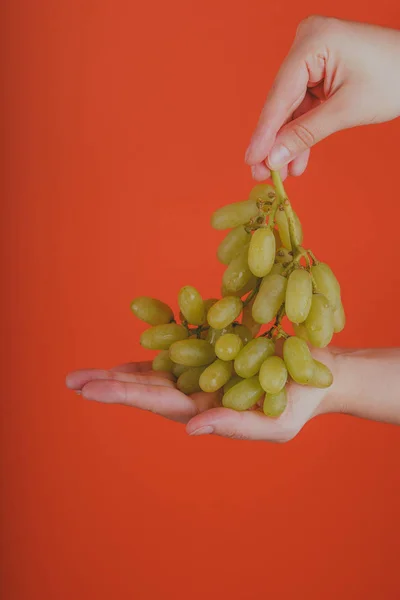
<point x="125" y="126"/>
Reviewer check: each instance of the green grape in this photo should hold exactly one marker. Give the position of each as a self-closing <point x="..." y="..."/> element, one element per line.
<point x="178" y="369"/>
<point x="298" y="360"/>
<point x="252" y="356"/>
<point x="248" y="321"/>
<point x="192" y="353"/>
<point x="300" y="331"/>
<point x="188" y="381"/>
<point x="238" y="273"/>
<point x="270" y="298"/>
<point x="298" y="296"/>
<point x="209" y="303"/>
<point x="243" y="332"/>
<point x="319" y="323"/>
<point x="228" y="346"/>
<point x="273" y="375"/>
<point x="160" y="337"/>
<point x="215" y="376"/>
<point x="232" y="382"/>
<point x="261" y="254"/>
<point x="262" y="191"/>
<point x="162" y="362"/>
<point x="151" y="311"/>
<point x="275" y="404"/>
<point x="213" y="335"/>
<point x="250" y="285"/>
<point x="243" y="395"/>
<point x="232" y="244"/>
<point x="283" y="228"/>
<point x="339" y="319"/>
<point x="327" y="284"/>
<point x="283" y="255"/>
<point x="233" y="215"/>
<point x="224" y="312"/>
<point x="277" y="269"/>
<point x="322" y="377"/>
<point x="191" y="305"/>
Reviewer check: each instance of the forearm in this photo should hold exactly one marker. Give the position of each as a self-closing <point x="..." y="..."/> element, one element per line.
<point x="367" y="384"/>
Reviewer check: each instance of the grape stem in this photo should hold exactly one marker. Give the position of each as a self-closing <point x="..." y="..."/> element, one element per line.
<point x="307" y="259"/>
<point x="252" y="294"/>
<point x="313" y="258"/>
<point x="272" y="212"/>
<point x="282" y="334"/>
<point x="197" y="331"/>
<point x="291" y="266"/>
<point x="284" y="201"/>
<point x="277" y="326"/>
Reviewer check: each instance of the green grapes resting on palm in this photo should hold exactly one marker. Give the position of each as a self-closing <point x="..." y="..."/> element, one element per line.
<point x="269" y="277"/>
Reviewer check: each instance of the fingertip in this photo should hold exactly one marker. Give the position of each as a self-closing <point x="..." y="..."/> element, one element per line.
<point x="208" y="418"/>
<point x="88" y="391"/>
<point x="253" y="155"/>
<point x="68" y="382"/>
<point x="299" y="164"/>
<point x="195" y="424"/>
<point x="71" y="381"/>
<point x="206" y="430"/>
<point x="260" y="144"/>
<point x="260" y="172"/>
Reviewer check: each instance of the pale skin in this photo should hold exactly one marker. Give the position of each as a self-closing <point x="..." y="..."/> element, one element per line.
<point x="337" y="75"/>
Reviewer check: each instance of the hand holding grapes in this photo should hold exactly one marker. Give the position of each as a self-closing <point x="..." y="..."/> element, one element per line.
<point x="221" y="376"/>
<point x="217" y="358"/>
<point x="338" y="74"/>
<point x="136" y="385"/>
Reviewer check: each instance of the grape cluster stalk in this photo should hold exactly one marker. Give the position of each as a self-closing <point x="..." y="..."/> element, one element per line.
<point x="270" y="279"/>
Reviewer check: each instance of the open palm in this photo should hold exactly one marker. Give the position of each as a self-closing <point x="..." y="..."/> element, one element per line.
<point x="136" y="385"/>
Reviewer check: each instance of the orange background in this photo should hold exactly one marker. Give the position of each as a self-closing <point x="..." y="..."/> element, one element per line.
<point x="125" y="126"/>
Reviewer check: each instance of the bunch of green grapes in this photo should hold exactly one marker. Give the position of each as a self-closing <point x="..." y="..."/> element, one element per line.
<point x="269" y="276"/>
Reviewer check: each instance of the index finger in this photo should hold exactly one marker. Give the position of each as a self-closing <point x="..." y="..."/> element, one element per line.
<point x="165" y="401"/>
<point x="286" y="94"/>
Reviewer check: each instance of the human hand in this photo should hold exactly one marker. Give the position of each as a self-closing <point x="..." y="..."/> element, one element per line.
<point x="136" y="385"/>
<point x="338" y="74"/>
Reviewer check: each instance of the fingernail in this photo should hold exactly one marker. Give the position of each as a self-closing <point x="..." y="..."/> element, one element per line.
<point x="278" y="157"/>
<point x="203" y="430"/>
<point x="253" y="171"/>
<point x="79" y="393"/>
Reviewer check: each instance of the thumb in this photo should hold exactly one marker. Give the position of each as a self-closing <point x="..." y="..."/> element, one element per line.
<point x="246" y="425"/>
<point x="304" y="132"/>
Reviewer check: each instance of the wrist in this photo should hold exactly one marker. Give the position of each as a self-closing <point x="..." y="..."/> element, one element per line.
<point x="366" y="384"/>
<point x="334" y="400"/>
